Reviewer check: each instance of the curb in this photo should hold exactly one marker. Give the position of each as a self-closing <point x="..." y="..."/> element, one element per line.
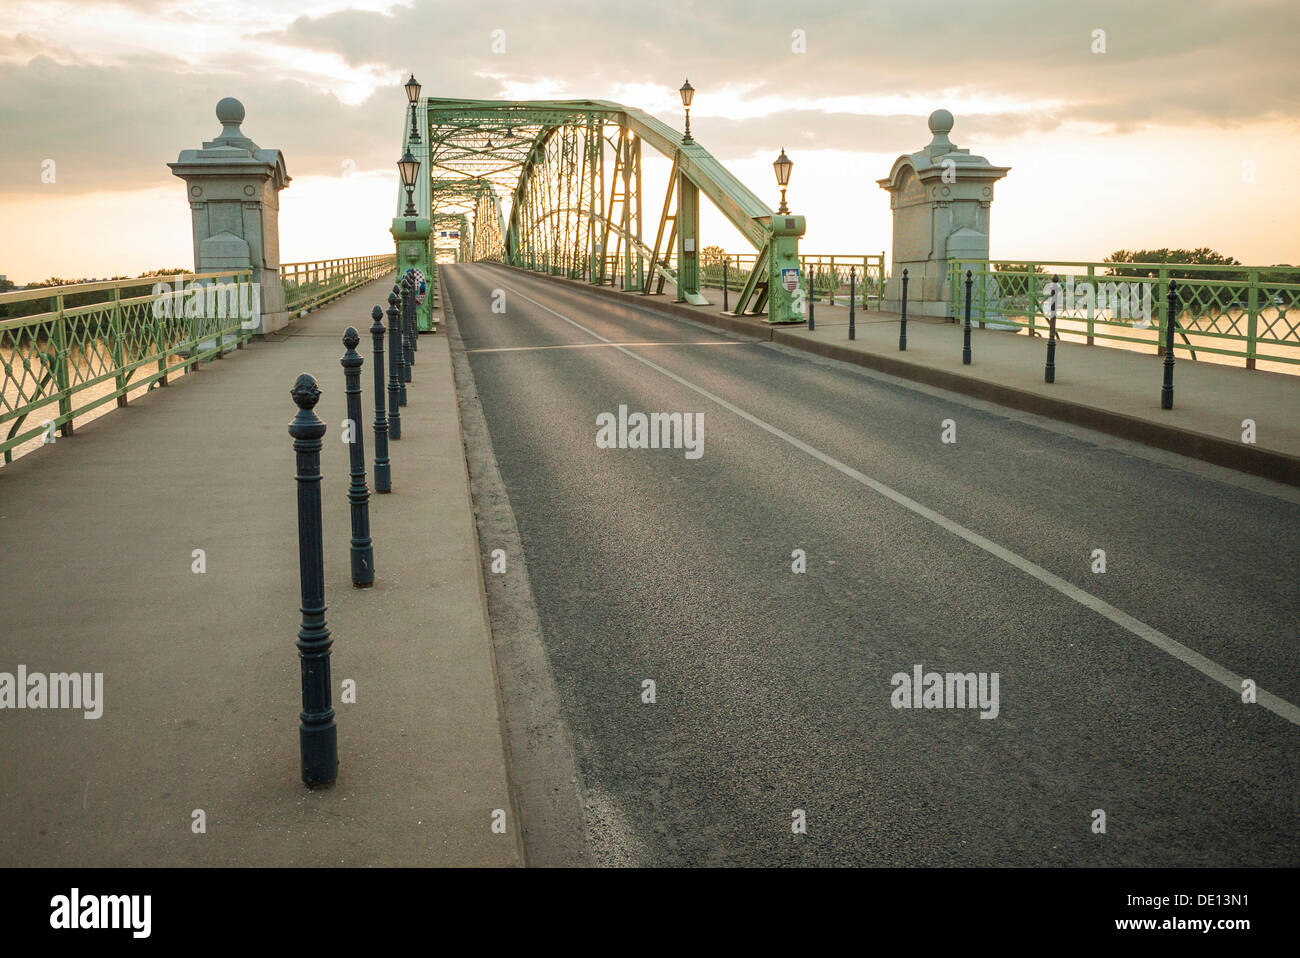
<point x="1221" y="452"/>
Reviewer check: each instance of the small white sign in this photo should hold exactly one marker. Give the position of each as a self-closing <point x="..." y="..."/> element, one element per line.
<point x="688" y="244"/>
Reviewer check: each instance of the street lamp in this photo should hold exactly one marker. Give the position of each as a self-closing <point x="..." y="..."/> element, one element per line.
<point x="409" y="167"/>
<point x="413" y="97"/>
<point x="783" y="166"/>
<point x="688" y="93"/>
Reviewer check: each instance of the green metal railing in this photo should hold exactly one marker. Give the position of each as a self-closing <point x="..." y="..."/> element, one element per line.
<point x="67" y="350"/>
<point x="832" y="275"/>
<point x="1240" y="312"/>
<point x="311" y="285"/>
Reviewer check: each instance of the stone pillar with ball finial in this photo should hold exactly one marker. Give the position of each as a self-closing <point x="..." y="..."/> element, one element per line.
<point x="234" y="192"/>
<point x="940" y="198"/>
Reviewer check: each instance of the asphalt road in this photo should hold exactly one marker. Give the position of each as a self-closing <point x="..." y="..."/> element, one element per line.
<point x="773" y="689"/>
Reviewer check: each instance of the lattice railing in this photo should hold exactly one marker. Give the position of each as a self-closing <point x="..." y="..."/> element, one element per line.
<point x="311" y="285"/>
<point x="1240" y="312"/>
<point x="67" y="350"/>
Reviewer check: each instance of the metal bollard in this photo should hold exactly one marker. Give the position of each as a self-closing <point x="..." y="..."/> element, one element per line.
<point x="383" y="469"/>
<point x="812" y="299"/>
<point x="1171" y="318"/>
<point x="415" y="315"/>
<point x="725" y="261"/>
<point x="1049" y="371"/>
<point x="403" y="306"/>
<point x="317" y="735"/>
<point x="965" y="349"/>
<point x="363" y="552"/>
<point x="853" y="329"/>
<point x="394" y="372"/>
<point x="902" y="323"/>
<point x="408" y="324"/>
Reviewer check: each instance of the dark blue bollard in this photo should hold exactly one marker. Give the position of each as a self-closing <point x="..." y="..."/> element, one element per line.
<point x="394" y="372"/>
<point x="812" y="299"/>
<point x="853" y="328"/>
<point x="408" y="330"/>
<point x="400" y="342"/>
<point x="965" y="349"/>
<point x="1171" y="319"/>
<point x="1049" y="371"/>
<point x="363" y="552"/>
<point x="383" y="469"/>
<point x="317" y="735"/>
<point x="902" y="323"/>
<point x="415" y="320"/>
<point x="725" y="261"/>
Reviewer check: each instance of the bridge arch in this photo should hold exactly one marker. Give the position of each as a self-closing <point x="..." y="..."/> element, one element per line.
<point x="571" y="170"/>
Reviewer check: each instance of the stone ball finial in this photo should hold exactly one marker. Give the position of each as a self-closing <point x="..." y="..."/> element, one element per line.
<point x="230" y="112"/>
<point x="940" y="122"/>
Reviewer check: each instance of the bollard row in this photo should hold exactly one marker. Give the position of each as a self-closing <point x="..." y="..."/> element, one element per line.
<point x="317" y="731"/>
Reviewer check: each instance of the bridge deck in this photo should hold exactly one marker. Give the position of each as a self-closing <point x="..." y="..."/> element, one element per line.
<point x="201" y="686"/>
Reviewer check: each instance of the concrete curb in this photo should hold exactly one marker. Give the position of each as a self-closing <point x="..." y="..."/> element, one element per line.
<point x="1222" y="452"/>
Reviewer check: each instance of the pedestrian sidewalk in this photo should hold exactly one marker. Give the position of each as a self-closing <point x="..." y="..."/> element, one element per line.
<point x="1113" y="390"/>
<point x="201" y="675"/>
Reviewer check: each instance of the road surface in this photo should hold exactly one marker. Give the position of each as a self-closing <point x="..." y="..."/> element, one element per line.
<point x="1119" y="692"/>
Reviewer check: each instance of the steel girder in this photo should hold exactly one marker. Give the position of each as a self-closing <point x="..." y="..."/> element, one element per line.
<point x="572" y="171"/>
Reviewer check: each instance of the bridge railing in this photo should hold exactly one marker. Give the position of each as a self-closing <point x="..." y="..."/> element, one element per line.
<point x="832" y="275"/>
<point x="67" y="350"/>
<point x="311" y="285"/>
<point x="1245" y="313"/>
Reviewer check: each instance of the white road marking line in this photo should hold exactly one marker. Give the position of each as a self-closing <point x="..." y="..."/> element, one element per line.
<point x="1278" y="706"/>
<point x="522" y="349"/>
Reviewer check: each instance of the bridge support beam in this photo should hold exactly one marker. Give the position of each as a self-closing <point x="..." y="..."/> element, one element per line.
<point x="688" y="242"/>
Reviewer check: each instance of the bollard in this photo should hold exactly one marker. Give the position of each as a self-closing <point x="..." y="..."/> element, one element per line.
<point x="812" y="299"/>
<point x="383" y="469"/>
<point x="394" y="374"/>
<point x="902" y="323"/>
<point x="408" y="327"/>
<point x="725" y="261"/>
<point x="317" y="735"/>
<point x="404" y="307"/>
<point x="853" y="332"/>
<point x="1171" y="314"/>
<point x="395" y="348"/>
<point x="965" y="349"/>
<point x="1049" y="371"/>
<point x="415" y="319"/>
<point x="363" y="552"/>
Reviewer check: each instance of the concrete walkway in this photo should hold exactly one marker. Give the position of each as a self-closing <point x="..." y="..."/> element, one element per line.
<point x="1112" y="390"/>
<point x="201" y="675"/>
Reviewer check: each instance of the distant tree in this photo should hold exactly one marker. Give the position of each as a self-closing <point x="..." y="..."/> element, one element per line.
<point x="712" y="256"/>
<point x="1015" y="268"/>
<point x="1203" y="256"/>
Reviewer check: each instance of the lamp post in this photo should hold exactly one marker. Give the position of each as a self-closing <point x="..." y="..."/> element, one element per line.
<point x="783" y="165"/>
<point x="688" y="93"/>
<point x="413" y="97"/>
<point x="409" y="167"/>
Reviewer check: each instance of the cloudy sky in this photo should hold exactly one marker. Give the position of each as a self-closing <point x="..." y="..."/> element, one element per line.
<point x="1184" y="132"/>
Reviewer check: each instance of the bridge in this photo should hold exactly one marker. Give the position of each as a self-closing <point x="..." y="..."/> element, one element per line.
<point x="756" y="556"/>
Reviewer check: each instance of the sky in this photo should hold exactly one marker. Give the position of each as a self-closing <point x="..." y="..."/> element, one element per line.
<point x="1176" y="125"/>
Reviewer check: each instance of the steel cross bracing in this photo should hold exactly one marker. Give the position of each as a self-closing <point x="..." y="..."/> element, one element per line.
<point x="570" y="173"/>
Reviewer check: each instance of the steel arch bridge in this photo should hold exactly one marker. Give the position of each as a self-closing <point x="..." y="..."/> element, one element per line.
<point x="570" y="171"/>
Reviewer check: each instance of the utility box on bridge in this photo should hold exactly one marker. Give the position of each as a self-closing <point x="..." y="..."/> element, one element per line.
<point x="234" y="191"/>
<point x="940" y="197"/>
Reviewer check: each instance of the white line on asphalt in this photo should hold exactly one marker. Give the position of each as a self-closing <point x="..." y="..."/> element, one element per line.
<point x="524" y="349"/>
<point x="1275" y="704"/>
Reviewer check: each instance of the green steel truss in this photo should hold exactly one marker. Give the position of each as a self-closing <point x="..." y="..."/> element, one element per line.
<point x="570" y="171"/>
